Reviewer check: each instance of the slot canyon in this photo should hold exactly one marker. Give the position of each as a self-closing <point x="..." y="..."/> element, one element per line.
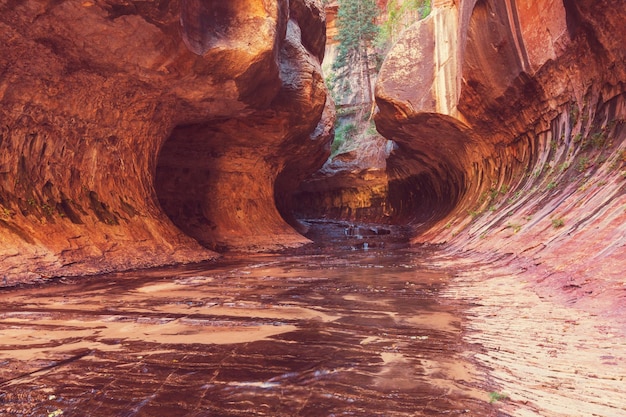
<point x="176" y="241"/>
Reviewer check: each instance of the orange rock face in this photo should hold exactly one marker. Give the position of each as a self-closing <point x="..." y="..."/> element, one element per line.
<point x="136" y="134"/>
<point x="513" y="117"/>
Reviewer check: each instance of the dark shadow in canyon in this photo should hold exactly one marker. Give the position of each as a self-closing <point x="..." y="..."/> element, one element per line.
<point x="220" y="191"/>
<point x="424" y="179"/>
<point x="182" y="181"/>
<point x="416" y="189"/>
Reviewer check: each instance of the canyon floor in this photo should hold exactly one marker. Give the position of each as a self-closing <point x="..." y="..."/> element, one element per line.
<point x="361" y="324"/>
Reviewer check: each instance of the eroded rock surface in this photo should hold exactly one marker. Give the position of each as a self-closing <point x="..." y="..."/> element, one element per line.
<point x="509" y="120"/>
<point x="509" y="125"/>
<point x="136" y="133"/>
<point x="353" y="185"/>
<point x="516" y="113"/>
<point x="498" y="100"/>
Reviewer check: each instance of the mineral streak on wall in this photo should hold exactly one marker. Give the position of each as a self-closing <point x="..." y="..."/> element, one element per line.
<point x="140" y="133"/>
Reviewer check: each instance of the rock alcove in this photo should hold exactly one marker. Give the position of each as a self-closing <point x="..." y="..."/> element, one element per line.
<point x="503" y="116"/>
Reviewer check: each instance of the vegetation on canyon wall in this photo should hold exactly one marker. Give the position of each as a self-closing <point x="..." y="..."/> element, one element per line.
<point x="366" y="30"/>
<point x="496" y="146"/>
<point x="398" y="16"/>
<point x="356" y="34"/>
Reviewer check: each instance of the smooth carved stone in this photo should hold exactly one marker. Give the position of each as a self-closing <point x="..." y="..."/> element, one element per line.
<point x="505" y="112"/>
<point x="111" y="111"/>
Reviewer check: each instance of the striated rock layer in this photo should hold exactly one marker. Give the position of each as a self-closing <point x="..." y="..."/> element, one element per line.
<point x="509" y="124"/>
<point x="510" y="117"/>
<point x="137" y="133"/>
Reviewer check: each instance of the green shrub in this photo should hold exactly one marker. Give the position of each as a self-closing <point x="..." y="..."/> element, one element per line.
<point x="558" y="223"/>
<point x="497" y="396"/>
<point x="578" y="137"/>
<point x="344" y="133"/>
<point x="598" y="139"/>
<point x="515" y="226"/>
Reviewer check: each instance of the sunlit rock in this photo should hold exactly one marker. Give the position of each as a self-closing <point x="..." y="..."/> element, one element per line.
<point x="136" y="134"/>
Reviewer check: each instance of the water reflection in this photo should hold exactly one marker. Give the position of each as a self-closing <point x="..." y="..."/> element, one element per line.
<point x="327" y="330"/>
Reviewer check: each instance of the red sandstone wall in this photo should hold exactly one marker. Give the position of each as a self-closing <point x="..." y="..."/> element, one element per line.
<point x="130" y="132"/>
<point x="516" y="112"/>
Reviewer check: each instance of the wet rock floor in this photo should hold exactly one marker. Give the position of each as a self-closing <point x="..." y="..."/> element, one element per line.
<point x="334" y="329"/>
<point x="552" y="352"/>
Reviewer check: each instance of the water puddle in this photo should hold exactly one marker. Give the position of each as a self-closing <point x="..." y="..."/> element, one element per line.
<point x="341" y="328"/>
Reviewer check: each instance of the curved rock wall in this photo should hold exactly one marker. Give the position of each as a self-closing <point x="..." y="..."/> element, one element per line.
<point x="515" y="114"/>
<point x="132" y="131"/>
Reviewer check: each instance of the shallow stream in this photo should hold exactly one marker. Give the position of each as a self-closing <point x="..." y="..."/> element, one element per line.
<point x="354" y="326"/>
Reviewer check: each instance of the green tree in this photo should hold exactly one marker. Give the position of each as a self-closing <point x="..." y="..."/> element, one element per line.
<point x="357" y="30"/>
